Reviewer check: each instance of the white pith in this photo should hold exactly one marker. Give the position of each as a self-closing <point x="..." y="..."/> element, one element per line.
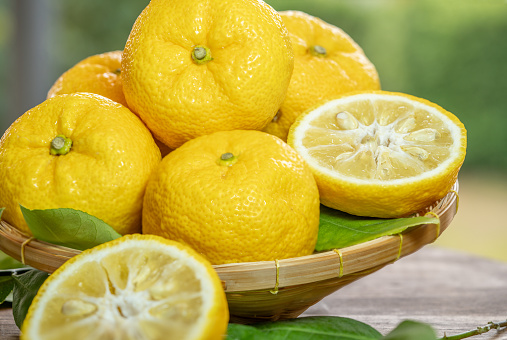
<point x="388" y="140"/>
<point x="121" y="310"/>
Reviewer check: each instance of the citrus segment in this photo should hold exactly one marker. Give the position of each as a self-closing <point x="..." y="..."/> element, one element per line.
<point x="235" y="196"/>
<point x="380" y="154"/>
<point x="327" y="63"/>
<point x="136" y="287"/>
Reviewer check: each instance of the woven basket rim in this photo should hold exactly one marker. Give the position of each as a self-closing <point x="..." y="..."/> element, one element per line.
<point x="270" y="275"/>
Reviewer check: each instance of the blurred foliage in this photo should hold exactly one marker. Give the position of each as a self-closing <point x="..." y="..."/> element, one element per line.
<point x="92" y="27"/>
<point x="6" y="26"/>
<point x="452" y="52"/>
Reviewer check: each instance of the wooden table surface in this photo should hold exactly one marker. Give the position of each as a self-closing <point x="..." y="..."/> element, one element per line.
<point x="454" y="292"/>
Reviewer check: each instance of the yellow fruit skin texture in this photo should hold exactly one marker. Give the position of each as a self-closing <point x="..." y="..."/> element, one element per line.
<point x="265" y="206"/>
<point x="402" y="200"/>
<point x="104" y="174"/>
<point x="386" y="200"/>
<point x="99" y="74"/>
<point x="345" y="68"/>
<point x="217" y="318"/>
<point x="241" y="88"/>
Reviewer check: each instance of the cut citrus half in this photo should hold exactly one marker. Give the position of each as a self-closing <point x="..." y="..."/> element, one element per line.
<point x="379" y="153"/>
<point x="135" y="287"/>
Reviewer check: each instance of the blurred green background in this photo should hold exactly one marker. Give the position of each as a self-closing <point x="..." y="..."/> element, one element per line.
<point x="451" y="52"/>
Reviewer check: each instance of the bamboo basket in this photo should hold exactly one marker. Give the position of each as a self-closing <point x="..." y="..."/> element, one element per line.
<point x="280" y="289"/>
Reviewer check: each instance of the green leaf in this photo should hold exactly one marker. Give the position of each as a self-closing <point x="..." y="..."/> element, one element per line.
<point x="68" y="227"/>
<point x="411" y="330"/>
<point x="6" y="286"/>
<point x="244" y="332"/>
<point x="26" y="287"/>
<point x="7" y="262"/>
<point x="305" y="328"/>
<point x="338" y="229"/>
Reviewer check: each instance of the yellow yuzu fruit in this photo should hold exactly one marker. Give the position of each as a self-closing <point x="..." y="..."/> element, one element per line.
<point x="104" y="173"/>
<point x="327" y="63"/>
<point x="135" y="287"/>
<point x="380" y="154"/>
<point x="99" y="74"/>
<point x="194" y="67"/>
<point x="164" y="149"/>
<point x="235" y="196"/>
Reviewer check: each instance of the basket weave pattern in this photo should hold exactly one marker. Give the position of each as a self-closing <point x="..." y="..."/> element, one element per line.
<point x="273" y="290"/>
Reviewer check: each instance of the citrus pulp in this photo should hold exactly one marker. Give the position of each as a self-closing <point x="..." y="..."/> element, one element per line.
<point x="380" y="154"/>
<point x="327" y="63"/>
<point x="135" y="287"/>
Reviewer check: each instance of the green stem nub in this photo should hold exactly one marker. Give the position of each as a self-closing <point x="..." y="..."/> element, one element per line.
<point x="227" y="159"/>
<point x="60" y="145"/>
<point x="318" y="51"/>
<point x="117" y="71"/>
<point x="226" y="156"/>
<point x="201" y="54"/>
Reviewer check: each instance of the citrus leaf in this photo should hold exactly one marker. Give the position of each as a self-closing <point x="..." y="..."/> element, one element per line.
<point x="338" y="229"/>
<point x="244" y="332"/>
<point x="412" y="330"/>
<point x="68" y="227"/>
<point x="26" y="287"/>
<point x="6" y="286"/>
<point x="305" y="328"/>
<point x="7" y="262"/>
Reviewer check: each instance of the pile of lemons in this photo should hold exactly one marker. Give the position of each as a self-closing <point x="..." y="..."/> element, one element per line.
<point x="222" y="126"/>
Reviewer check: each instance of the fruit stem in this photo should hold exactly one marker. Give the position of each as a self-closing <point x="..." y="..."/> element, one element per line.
<point x="227" y="159"/>
<point x="201" y="54"/>
<point x="318" y="51"/>
<point x="477" y="331"/>
<point x="60" y="145"/>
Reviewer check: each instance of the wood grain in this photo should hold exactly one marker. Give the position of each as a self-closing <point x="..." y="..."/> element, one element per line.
<point x="454" y="292"/>
<point x="8" y="329"/>
<point x="297" y="283"/>
<point x="265" y="275"/>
